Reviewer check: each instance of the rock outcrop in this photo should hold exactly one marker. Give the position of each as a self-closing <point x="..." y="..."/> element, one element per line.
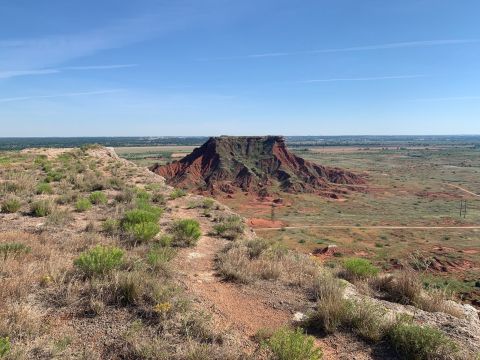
<point x="253" y="164"/>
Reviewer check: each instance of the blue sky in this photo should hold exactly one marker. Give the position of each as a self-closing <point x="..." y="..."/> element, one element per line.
<point x="210" y="67"/>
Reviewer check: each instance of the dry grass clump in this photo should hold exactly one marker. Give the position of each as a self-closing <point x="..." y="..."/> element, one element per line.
<point x="249" y="260"/>
<point x="406" y="287"/>
<point x="10" y="205"/>
<point x="231" y="227"/>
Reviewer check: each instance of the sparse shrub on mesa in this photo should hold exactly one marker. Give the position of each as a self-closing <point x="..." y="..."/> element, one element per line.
<point x="286" y="344"/>
<point x="142" y="224"/>
<point x="99" y="260"/>
<point x="13" y="250"/>
<point x="44" y="188"/>
<point x="357" y="269"/>
<point x="159" y="257"/>
<point x="98" y="198"/>
<point x="177" y="193"/>
<point x="185" y="232"/>
<point x="417" y="342"/>
<point x="83" y="204"/>
<point x="11" y="205"/>
<point x="230" y="228"/>
<point x="110" y="226"/>
<point x="41" y="208"/>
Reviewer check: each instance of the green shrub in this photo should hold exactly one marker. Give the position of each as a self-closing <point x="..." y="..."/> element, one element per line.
<point x="208" y="203"/>
<point x="356" y="268"/>
<point x="13" y="250"/>
<point x="5" y="346"/>
<point x="59" y="217"/>
<point x="138" y="216"/>
<point x="44" y="188"/>
<point x="143" y="195"/>
<point x="158" y="198"/>
<point x="98" y="197"/>
<point x="41" y="208"/>
<point x="11" y="205"/>
<point x="185" y="232"/>
<point x="230" y="227"/>
<point x="159" y="257"/>
<point x="142" y="224"/>
<point x="177" y="193"/>
<point x="110" y="226"/>
<point x="99" y="260"/>
<point x="288" y="344"/>
<point x="144" y="231"/>
<point x="83" y="204"/>
<point x="53" y="176"/>
<point x="417" y="342"/>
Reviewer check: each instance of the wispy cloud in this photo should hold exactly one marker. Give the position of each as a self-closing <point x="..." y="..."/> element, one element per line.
<point x="71" y="94"/>
<point x="100" y="67"/>
<point x="451" y="98"/>
<point x="373" y="78"/>
<point x="17" y="73"/>
<point x="387" y="46"/>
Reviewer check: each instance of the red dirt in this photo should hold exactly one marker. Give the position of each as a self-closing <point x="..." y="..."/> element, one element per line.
<point x="263" y="223"/>
<point x="254" y="165"/>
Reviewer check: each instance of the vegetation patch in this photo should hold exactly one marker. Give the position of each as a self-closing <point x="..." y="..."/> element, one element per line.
<point x="286" y="344"/>
<point x="185" y="232"/>
<point x="357" y="268"/>
<point x="99" y="260"/>
<point x="11" y="205"/>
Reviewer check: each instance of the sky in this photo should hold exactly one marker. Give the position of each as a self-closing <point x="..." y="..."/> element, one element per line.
<point x="250" y="67"/>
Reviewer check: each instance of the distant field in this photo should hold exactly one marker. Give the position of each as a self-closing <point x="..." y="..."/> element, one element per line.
<point x="149" y="155"/>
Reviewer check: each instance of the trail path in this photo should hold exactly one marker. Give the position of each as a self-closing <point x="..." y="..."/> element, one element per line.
<point x="370" y="227"/>
<point x="464" y="190"/>
<point x="232" y="308"/>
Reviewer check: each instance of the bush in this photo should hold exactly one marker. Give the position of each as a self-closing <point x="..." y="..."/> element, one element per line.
<point x="416" y="342"/>
<point x="99" y="260"/>
<point x="44" y="188"/>
<point x="330" y="314"/>
<point x="41" y="208"/>
<point x="142" y="224"/>
<point x="11" y="205"/>
<point x="159" y="257"/>
<point x="98" y="197"/>
<point x="356" y="268"/>
<point x="368" y="321"/>
<point x="143" y="231"/>
<point x="185" y="232"/>
<point x="230" y="227"/>
<point x="13" y="250"/>
<point x="177" y="193"/>
<point x="288" y="344"/>
<point x="59" y="217"/>
<point x="83" y="204"/>
<point x="5" y="346"/>
<point x="110" y="226"/>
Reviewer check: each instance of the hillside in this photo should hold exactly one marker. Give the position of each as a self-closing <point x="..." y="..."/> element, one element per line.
<point x="253" y="164"/>
<point x="100" y="259"/>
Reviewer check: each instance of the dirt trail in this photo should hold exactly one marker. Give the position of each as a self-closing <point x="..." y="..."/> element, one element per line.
<point x="370" y="227"/>
<point x="232" y="308"/>
<point x="464" y="190"/>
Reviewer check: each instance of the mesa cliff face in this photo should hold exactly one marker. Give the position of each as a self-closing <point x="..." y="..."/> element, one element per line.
<point x="257" y="164"/>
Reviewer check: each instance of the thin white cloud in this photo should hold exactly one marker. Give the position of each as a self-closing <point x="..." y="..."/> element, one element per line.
<point x="451" y="98"/>
<point x="16" y="73"/>
<point x="72" y="94"/>
<point x="387" y="46"/>
<point x="99" y="67"/>
<point x="373" y="78"/>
